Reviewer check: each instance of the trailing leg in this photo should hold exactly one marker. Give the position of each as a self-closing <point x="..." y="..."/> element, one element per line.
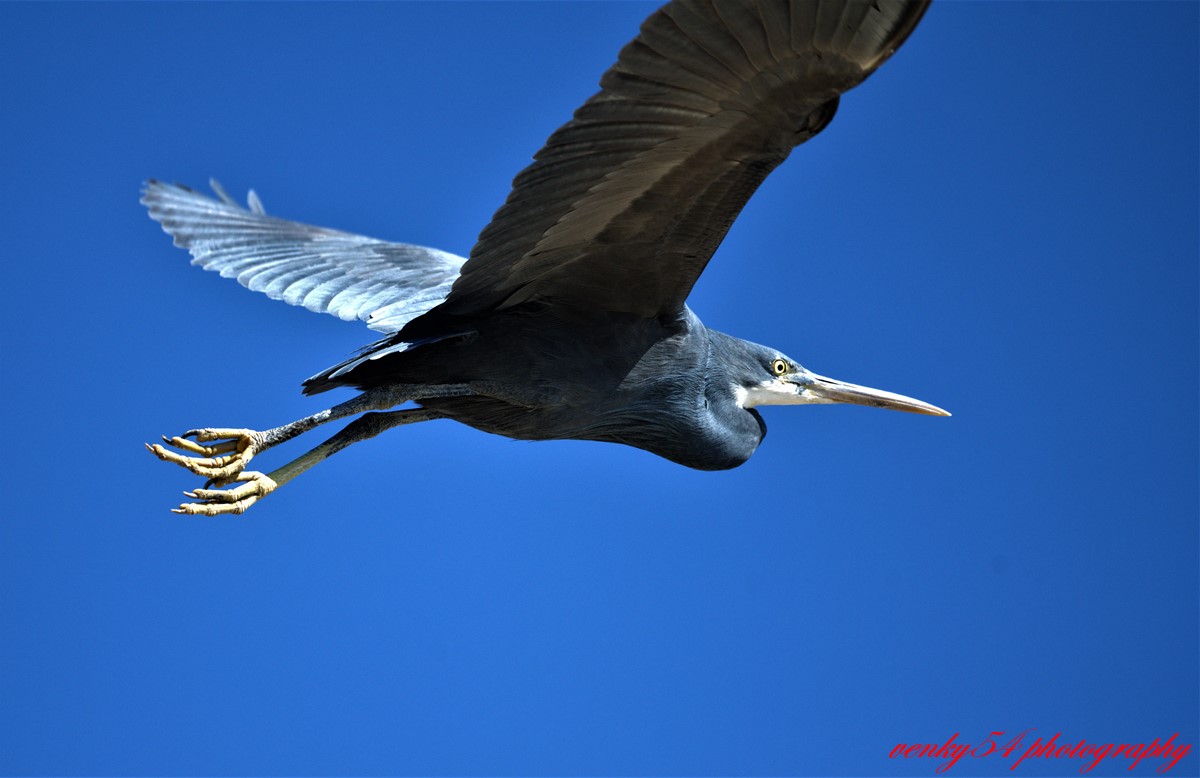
<point x="229" y="450"/>
<point x="214" y="502"/>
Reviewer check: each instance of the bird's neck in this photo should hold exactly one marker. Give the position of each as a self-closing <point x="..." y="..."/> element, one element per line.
<point x="733" y="432"/>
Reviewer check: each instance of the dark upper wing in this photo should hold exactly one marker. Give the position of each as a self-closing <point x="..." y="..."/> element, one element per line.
<point x="625" y="204"/>
<point x="352" y="277"/>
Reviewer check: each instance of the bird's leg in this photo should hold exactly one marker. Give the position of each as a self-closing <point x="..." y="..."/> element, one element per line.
<point x="229" y="450"/>
<point x="213" y="502"/>
<point x="523" y="396"/>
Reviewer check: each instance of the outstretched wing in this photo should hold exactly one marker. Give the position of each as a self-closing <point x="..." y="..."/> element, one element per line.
<point x="352" y="277"/>
<point x="625" y="204"/>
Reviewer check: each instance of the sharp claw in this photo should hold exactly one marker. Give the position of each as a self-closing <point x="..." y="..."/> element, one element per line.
<point x="236" y="501"/>
<point x="226" y="454"/>
<point x="222" y="460"/>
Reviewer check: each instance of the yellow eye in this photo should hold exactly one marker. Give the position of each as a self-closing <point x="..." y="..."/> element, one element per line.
<point x="778" y="366"/>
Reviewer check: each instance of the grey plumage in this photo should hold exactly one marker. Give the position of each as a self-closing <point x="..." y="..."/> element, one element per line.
<point x="568" y="320"/>
<point x="625" y="204"/>
<point x="349" y="276"/>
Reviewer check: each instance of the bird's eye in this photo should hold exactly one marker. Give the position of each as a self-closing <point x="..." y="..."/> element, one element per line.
<point x="778" y="366"/>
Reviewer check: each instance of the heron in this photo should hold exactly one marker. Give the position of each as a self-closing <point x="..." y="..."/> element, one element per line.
<point x="568" y="319"/>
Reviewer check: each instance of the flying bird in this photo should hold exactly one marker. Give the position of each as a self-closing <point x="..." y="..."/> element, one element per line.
<point x="569" y="318"/>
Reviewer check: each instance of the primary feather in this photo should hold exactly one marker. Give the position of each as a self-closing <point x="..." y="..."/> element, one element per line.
<point x="349" y="276"/>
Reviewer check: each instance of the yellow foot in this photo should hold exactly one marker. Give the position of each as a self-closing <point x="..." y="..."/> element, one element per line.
<point x="230" y="452"/>
<point x="214" y="502"/>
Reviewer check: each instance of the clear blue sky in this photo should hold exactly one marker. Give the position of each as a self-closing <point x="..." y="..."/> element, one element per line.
<point x="1003" y="221"/>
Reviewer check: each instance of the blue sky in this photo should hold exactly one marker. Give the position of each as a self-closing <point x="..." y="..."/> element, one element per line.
<point x="1003" y="221"/>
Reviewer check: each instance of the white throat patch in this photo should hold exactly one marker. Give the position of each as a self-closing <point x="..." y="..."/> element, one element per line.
<point x="774" y="392"/>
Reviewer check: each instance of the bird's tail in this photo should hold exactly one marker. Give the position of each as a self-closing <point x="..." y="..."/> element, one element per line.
<point x="361" y="370"/>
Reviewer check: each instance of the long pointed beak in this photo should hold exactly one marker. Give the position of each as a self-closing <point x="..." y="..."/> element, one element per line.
<point x="834" y="391"/>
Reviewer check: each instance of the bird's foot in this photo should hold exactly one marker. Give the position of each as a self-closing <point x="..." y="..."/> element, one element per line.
<point x="215" y="502"/>
<point x="227" y="456"/>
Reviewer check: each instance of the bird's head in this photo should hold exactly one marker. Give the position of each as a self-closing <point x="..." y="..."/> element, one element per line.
<point x="764" y="376"/>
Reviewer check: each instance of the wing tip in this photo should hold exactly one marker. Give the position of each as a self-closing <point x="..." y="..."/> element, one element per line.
<point x="156" y="192"/>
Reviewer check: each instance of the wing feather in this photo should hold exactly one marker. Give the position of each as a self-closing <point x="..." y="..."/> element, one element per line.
<point x="625" y="204"/>
<point x="349" y="276"/>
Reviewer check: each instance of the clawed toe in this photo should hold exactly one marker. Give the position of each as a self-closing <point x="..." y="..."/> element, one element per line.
<point x="215" y="502"/>
<point x="219" y="455"/>
<point x="227" y="456"/>
<point x="223" y="447"/>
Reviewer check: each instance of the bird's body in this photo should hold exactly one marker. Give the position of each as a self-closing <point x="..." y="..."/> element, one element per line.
<point x="649" y="383"/>
<point x="568" y="320"/>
